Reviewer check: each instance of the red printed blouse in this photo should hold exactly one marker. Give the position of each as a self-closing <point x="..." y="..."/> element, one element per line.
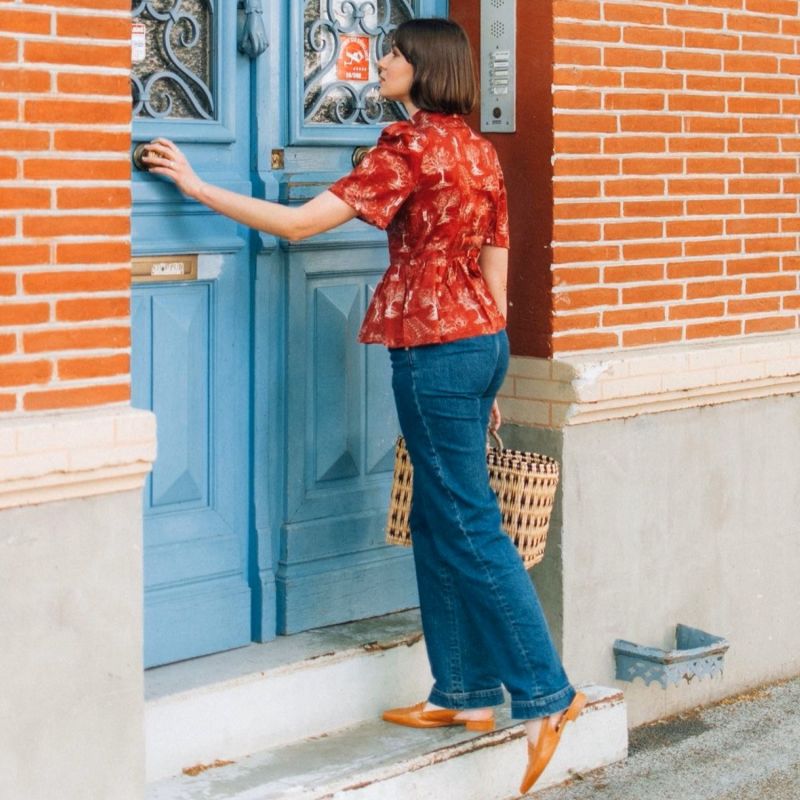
<point x="437" y="189"/>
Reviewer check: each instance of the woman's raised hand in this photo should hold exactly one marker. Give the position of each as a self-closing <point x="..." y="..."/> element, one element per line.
<point x="165" y="158"/>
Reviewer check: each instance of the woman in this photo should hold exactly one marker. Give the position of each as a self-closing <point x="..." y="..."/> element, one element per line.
<point x="437" y="188"/>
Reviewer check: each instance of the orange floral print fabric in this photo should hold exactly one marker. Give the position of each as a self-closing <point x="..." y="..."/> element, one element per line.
<point x="437" y="188"/>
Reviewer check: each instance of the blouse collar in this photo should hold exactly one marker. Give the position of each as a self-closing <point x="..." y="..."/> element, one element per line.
<point x="421" y="115"/>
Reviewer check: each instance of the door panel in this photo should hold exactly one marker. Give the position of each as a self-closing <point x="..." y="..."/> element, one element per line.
<point x="196" y="500"/>
<point x="180" y="329"/>
<point x="335" y="380"/>
<point x="333" y="563"/>
<point x="191" y="338"/>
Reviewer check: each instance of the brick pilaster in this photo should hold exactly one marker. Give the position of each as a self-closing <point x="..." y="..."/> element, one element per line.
<point x="65" y="202"/>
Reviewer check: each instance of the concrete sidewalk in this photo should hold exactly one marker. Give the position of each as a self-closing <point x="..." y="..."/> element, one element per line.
<point x="745" y="748"/>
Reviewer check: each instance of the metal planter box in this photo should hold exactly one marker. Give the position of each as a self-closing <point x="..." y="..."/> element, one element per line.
<point x="696" y="654"/>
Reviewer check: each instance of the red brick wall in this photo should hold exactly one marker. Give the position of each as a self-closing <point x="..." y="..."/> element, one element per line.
<point x="676" y="171"/>
<point x="64" y="203"/>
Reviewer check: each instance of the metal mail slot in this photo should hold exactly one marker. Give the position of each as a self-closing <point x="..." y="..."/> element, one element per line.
<point x="161" y="269"/>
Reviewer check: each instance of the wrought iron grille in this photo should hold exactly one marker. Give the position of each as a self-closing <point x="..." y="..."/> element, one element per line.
<point x="172" y="78"/>
<point x="334" y="33"/>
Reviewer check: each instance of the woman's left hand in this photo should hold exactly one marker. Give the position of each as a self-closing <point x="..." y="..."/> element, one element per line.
<point x="164" y="157"/>
<point x="495" y="417"/>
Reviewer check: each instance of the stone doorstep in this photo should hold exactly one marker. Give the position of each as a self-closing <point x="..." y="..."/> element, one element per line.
<point x="230" y="704"/>
<point x="379" y="761"/>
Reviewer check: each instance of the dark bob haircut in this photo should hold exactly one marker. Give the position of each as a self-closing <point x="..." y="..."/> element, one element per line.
<point x="444" y="72"/>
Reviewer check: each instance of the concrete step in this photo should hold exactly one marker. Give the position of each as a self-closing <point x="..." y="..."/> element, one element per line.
<point x="227" y="705"/>
<point x="378" y="761"/>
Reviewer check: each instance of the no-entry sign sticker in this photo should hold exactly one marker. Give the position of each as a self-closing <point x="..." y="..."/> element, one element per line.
<point x="353" y="63"/>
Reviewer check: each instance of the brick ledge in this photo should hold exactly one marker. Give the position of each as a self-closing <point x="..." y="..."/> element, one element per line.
<point x="591" y="387"/>
<point x="76" y="454"/>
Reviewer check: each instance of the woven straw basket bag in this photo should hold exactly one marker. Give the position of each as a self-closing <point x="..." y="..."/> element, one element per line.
<point x="525" y="485"/>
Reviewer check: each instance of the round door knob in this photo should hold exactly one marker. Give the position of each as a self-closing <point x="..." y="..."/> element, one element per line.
<point x="359" y="153"/>
<point x="139" y="151"/>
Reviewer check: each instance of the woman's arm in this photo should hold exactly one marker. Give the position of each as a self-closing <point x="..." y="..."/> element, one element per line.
<point x="323" y="212"/>
<point x="493" y="262"/>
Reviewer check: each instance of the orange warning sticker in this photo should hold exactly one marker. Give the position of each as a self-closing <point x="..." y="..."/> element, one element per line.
<point x="353" y="63"/>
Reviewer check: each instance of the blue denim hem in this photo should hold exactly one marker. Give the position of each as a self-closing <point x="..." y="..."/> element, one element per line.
<point x="542" y="706"/>
<point x="464" y="700"/>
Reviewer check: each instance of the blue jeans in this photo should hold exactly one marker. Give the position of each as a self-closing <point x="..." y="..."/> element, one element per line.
<point x="483" y="625"/>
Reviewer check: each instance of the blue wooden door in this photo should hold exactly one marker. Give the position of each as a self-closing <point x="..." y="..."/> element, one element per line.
<point x="192" y="334"/>
<point x="324" y="442"/>
<point x="264" y="514"/>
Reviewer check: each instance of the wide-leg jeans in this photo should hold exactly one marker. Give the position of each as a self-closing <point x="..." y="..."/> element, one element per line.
<point x="481" y="618"/>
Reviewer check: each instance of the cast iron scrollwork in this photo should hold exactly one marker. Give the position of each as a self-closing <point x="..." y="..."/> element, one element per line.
<point x="174" y="80"/>
<point x="328" y="99"/>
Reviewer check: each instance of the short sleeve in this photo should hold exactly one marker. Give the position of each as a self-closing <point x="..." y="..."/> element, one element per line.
<point x="385" y="178"/>
<point x="498" y="234"/>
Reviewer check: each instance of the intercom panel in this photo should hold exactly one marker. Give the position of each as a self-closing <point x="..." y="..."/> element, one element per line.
<point x="498" y="66"/>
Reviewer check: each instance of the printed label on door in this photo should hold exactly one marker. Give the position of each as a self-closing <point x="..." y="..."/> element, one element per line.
<point x="138" y="42"/>
<point x="168" y="268"/>
<point x="353" y="62"/>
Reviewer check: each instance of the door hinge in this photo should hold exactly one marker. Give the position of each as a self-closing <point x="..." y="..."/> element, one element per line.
<point x="277" y="161"/>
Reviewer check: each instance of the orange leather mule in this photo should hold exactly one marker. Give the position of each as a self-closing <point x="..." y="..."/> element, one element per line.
<point x="539" y="755"/>
<point x="417" y="717"/>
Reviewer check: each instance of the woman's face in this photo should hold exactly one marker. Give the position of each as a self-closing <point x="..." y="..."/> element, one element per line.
<point x="396" y="76"/>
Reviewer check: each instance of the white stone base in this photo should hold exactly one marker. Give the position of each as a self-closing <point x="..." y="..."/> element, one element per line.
<point x="379" y="761"/>
<point x="71" y="613"/>
<point x="263" y="696"/>
<point x="689" y="517"/>
<point x="71" y="665"/>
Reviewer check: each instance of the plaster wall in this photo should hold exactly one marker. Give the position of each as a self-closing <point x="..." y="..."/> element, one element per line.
<point x="71" y="706"/>
<point x="683" y="516"/>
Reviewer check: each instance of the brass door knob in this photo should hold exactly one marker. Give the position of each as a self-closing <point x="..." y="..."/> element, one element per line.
<point x="139" y="151"/>
<point x="359" y="153"/>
